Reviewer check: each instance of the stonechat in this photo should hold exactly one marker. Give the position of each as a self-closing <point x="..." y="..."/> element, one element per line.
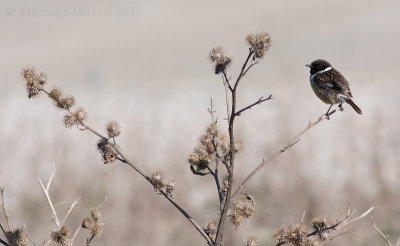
<point x="330" y="85"/>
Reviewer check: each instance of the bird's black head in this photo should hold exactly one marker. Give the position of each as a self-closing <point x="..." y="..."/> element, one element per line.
<point x="318" y="65"/>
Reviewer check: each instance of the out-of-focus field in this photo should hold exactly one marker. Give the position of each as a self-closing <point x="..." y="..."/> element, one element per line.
<point x="148" y="70"/>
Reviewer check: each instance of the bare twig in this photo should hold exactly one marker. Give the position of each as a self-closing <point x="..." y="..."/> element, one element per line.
<point x="386" y="237"/>
<point x="290" y="144"/>
<point x="69" y="211"/>
<point x="4" y="210"/>
<point x="4" y="242"/>
<point x="259" y="101"/>
<point x="46" y="193"/>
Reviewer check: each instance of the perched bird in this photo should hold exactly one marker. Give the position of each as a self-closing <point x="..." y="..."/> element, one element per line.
<point x="330" y="85"/>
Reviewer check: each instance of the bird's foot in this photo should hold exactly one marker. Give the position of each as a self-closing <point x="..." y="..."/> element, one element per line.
<point x="341" y="107"/>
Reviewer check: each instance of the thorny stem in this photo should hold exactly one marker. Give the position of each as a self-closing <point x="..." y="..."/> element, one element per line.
<point x="290" y="144"/>
<point x="133" y="166"/>
<point x="231" y="119"/>
<point x="259" y="101"/>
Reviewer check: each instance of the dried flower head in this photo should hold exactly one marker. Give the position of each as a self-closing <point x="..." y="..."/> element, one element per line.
<point x="69" y="120"/>
<point x="212" y="144"/>
<point x="80" y="114"/>
<point x="94" y="222"/>
<point x="294" y="234"/>
<point x="252" y="241"/>
<point x="156" y="180"/>
<point x="220" y="59"/>
<point x="170" y="187"/>
<point x="225" y="185"/>
<point x="260" y="43"/>
<point x="95" y="214"/>
<point x="66" y="102"/>
<point x="55" y="94"/>
<point x="113" y="129"/>
<point x="17" y="237"/>
<point x="321" y="225"/>
<point x="87" y="222"/>
<point x="61" y="237"/>
<point x="211" y="229"/>
<point x="241" y="209"/>
<point x="107" y="151"/>
<point x="34" y="81"/>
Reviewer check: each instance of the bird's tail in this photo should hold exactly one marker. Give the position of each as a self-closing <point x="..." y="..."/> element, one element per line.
<point x="353" y="105"/>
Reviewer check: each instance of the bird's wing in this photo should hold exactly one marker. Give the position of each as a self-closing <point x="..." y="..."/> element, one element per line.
<point x="333" y="80"/>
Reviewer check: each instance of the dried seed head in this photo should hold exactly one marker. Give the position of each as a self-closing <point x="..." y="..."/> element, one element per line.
<point x="321" y="225"/>
<point x="97" y="228"/>
<point x="294" y="234"/>
<point x="66" y="102"/>
<point x="220" y="59"/>
<point x="55" y="94"/>
<point x="156" y="180"/>
<point x="95" y="214"/>
<point x="61" y="237"/>
<point x="252" y="241"/>
<point x="211" y="142"/>
<point x="241" y="209"/>
<point x="107" y="151"/>
<point x="260" y="43"/>
<point x="211" y="229"/>
<point x="113" y="129"/>
<point x="69" y="120"/>
<point x="80" y="114"/>
<point x="87" y="222"/>
<point x="34" y="82"/>
<point x="17" y="237"/>
<point x="225" y="185"/>
<point x="170" y="187"/>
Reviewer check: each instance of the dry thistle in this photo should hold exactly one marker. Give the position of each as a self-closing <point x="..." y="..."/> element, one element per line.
<point x="69" y="120"/>
<point x="241" y="209"/>
<point x="113" y="129"/>
<point x="17" y="237"/>
<point x="94" y="222"/>
<point x="55" y="94"/>
<point x="107" y="151"/>
<point x="212" y="144"/>
<point x="220" y="59"/>
<point x="320" y="225"/>
<point x="252" y="241"/>
<point x="61" y="237"/>
<point x="170" y="187"/>
<point x="80" y="115"/>
<point x="260" y="43"/>
<point x="294" y="234"/>
<point x="211" y="229"/>
<point x="66" y="102"/>
<point x="34" y="81"/>
<point x="225" y="185"/>
<point x="156" y="180"/>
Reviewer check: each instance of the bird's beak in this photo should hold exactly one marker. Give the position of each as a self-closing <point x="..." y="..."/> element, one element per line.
<point x="308" y="65"/>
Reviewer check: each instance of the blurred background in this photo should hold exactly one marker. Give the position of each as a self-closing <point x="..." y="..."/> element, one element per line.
<point x="144" y="64"/>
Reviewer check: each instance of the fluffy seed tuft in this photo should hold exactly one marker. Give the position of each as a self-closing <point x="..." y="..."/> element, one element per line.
<point x="34" y="81"/>
<point x="107" y="151"/>
<point x="17" y="237"/>
<point x="211" y="229"/>
<point x="80" y="114"/>
<point x="260" y="43"/>
<point x="156" y="180"/>
<point x="61" y="237"/>
<point x="69" y="120"/>
<point x="293" y="234"/>
<point x="241" y="209"/>
<point x="252" y="241"/>
<point x="220" y="59"/>
<point x="113" y="129"/>
<point x="170" y="187"/>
